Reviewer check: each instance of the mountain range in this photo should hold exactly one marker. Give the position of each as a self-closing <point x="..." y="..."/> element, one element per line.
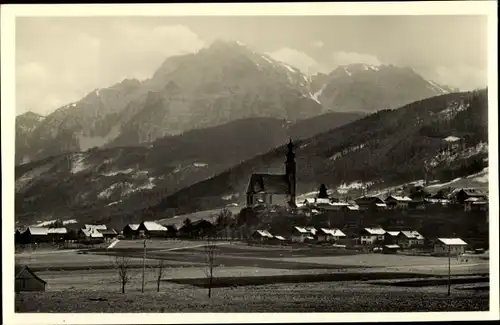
<point x="224" y="82"/>
<point x="448" y="133"/>
<point x="99" y="181"/>
<point x="209" y="168"/>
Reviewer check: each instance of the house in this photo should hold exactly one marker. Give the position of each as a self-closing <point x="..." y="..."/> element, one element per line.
<point x="202" y="228"/>
<point x="172" y="231"/>
<point x="391" y="237"/>
<point x="475" y="204"/>
<point x="451" y="246"/>
<point x="390" y="249"/>
<point x="397" y="202"/>
<point x="418" y="200"/>
<point x="108" y="234"/>
<point x="370" y="236"/>
<point x="27" y="280"/>
<point x="262" y="235"/>
<point x="370" y="203"/>
<point x="57" y="234"/>
<point x="333" y="235"/>
<point x="96" y="227"/>
<point x="411" y="238"/>
<point x="130" y="230"/>
<point x="317" y="202"/>
<point x="301" y="234"/>
<point x="151" y="229"/>
<point x="466" y="193"/>
<point x="262" y="188"/>
<point x="90" y="235"/>
<point x="36" y="235"/>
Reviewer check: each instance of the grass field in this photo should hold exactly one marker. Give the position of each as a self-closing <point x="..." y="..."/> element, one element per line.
<point x="303" y="297"/>
<point x="74" y="279"/>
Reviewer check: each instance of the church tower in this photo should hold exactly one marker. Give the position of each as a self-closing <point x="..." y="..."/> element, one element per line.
<point x="290" y="170"/>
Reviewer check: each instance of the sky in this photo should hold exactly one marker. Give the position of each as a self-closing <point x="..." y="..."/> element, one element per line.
<point x="59" y="60"/>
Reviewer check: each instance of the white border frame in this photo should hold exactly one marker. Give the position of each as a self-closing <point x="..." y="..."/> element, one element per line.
<point x="10" y="12"/>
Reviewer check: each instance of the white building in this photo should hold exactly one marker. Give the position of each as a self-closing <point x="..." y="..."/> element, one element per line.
<point x="325" y="234"/>
<point x="455" y="246"/>
<point x="370" y="235"/>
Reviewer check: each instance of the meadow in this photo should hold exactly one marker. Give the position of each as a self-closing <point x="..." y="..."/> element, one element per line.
<point x="247" y="278"/>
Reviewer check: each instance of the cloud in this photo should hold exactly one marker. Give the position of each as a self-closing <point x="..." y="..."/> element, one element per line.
<point x="343" y="58"/>
<point x="298" y="59"/>
<point x="463" y="77"/>
<point x="58" y="61"/>
<point x="318" y="44"/>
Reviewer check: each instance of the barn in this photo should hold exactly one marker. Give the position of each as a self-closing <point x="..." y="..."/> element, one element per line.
<point x="27" y="280"/>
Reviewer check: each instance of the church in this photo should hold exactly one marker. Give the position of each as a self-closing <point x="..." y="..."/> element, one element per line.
<point x="263" y="188"/>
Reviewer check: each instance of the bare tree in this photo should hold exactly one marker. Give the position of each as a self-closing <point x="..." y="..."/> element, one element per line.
<point x="159" y="273"/>
<point x="122" y="264"/>
<point x="210" y="252"/>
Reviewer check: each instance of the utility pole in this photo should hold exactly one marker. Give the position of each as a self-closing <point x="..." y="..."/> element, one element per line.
<point x="449" y="269"/>
<point x="143" y="265"/>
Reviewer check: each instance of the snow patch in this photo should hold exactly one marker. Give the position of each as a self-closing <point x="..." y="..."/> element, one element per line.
<point x="347" y="71"/>
<point x="451" y="139"/>
<point x="78" y="164"/>
<point x="374" y="68"/>
<point x="108" y="192"/>
<point x="114" y="173"/>
<point x="44" y="223"/>
<point x="343" y="188"/>
<point x="289" y="68"/>
<point x="200" y="165"/>
<point x="435" y="86"/>
<point x="444" y="184"/>
<point x="314" y="98"/>
<point x="344" y="152"/>
<point x="267" y="59"/>
<point x="316" y="95"/>
<point x="113" y="203"/>
<point x="70" y="221"/>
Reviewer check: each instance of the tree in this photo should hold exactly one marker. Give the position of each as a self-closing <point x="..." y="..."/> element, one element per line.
<point x="210" y="252"/>
<point x="159" y="274"/>
<point x="223" y="221"/>
<point x="122" y="264"/>
<point x="322" y="192"/>
<point x="187" y="227"/>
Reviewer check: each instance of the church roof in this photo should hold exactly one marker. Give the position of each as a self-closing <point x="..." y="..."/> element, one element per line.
<point x="268" y="183"/>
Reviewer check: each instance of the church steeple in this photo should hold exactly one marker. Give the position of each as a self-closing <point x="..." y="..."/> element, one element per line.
<point x="290" y="156"/>
<point x="290" y="170"/>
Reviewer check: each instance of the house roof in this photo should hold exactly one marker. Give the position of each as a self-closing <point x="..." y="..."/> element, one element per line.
<point x="412" y="234"/>
<point x="353" y="207"/>
<point x="279" y="237"/>
<point x="92" y="233"/>
<point x="19" y="270"/>
<point x="393" y="233"/>
<point x="381" y="205"/>
<point x="398" y="198"/>
<point x="392" y="246"/>
<point x="58" y="231"/>
<point x="368" y="199"/>
<point x="268" y="183"/>
<point x="153" y="226"/>
<point x="452" y="241"/>
<point x="132" y="226"/>
<point x="301" y="230"/>
<point x="108" y="232"/>
<point x="264" y="233"/>
<point x="334" y="232"/>
<point x="375" y="231"/>
<point x="98" y="227"/>
<point x="470" y="192"/>
<point x="38" y="231"/>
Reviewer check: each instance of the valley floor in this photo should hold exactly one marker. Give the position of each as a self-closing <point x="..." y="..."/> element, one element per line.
<point x="349" y="296"/>
<point x="75" y="281"/>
